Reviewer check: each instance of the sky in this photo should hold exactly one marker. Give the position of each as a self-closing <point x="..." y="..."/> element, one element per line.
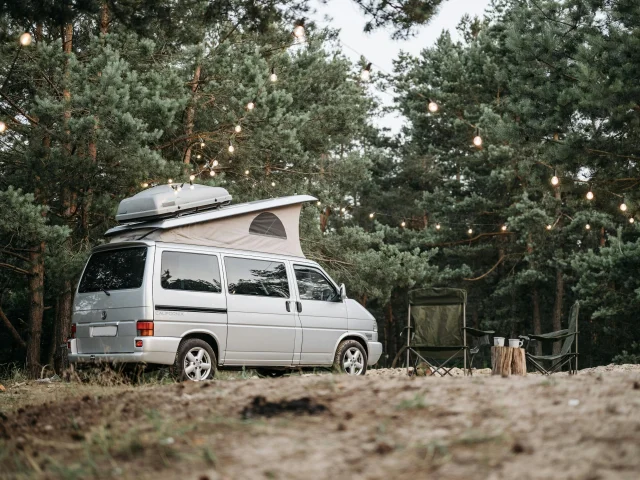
<point x="378" y="47"/>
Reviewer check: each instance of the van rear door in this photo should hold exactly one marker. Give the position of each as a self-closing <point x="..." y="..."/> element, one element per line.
<point x="113" y="294"/>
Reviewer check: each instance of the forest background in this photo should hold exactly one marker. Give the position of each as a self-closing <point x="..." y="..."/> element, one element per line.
<point x="522" y="186"/>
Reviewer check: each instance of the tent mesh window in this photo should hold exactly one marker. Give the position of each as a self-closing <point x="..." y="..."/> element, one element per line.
<point x="268" y="224"/>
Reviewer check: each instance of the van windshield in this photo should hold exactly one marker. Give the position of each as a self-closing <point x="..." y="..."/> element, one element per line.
<point x="114" y="270"/>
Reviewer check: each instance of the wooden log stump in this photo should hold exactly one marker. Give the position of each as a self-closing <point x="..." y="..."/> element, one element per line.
<point x="507" y="361"/>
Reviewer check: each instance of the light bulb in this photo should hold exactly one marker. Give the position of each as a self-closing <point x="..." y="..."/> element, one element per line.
<point x="198" y="156"/>
<point x="212" y="173"/>
<point x="343" y="209"/>
<point x="201" y="144"/>
<point x="631" y="220"/>
<point x="192" y="177"/>
<point x="25" y="39"/>
<point x="145" y="185"/>
<point x="623" y="207"/>
<point x="251" y="105"/>
<point x="319" y="203"/>
<point x="470" y="231"/>
<point x="246" y="172"/>
<point x="215" y="163"/>
<point x="477" y="141"/>
<point x="555" y="180"/>
<point x="589" y="195"/>
<point x="298" y="31"/>
<point x="371" y="215"/>
<point x="273" y="184"/>
<point x="403" y="224"/>
<point x="3" y="127"/>
<point x="437" y="226"/>
<point x="504" y="228"/>
<point x="587" y="227"/>
<point x="549" y="227"/>
<point x="433" y="107"/>
<point x="170" y="181"/>
<point x="231" y="148"/>
<point x="273" y="77"/>
<point x="365" y="74"/>
<point x="238" y="128"/>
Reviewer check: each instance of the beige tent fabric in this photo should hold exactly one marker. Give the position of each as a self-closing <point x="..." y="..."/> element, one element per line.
<point x="232" y="232"/>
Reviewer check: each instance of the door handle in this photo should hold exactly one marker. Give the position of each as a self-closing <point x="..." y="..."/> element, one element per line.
<point x="287" y="303"/>
<point x="299" y="306"/>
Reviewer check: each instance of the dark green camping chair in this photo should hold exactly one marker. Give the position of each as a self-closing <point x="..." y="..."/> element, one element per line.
<point x="567" y="355"/>
<point x="437" y="333"/>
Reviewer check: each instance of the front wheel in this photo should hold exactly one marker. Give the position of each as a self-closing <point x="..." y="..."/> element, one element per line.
<point x="351" y="358"/>
<point x="195" y="361"/>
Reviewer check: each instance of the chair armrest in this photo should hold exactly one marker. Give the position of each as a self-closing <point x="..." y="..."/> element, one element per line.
<point x="478" y="333"/>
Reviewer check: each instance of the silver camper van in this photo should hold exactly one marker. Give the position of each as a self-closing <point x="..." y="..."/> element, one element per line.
<point x="192" y="281"/>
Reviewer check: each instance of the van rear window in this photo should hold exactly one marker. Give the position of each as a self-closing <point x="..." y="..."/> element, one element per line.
<point x="114" y="270"/>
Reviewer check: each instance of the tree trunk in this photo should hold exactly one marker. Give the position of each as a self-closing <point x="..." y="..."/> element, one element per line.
<point x="63" y="331"/>
<point x="36" y="309"/>
<point x="557" y="307"/>
<point x="324" y="218"/>
<point x="191" y="111"/>
<point x="537" y="327"/>
<point x="104" y="18"/>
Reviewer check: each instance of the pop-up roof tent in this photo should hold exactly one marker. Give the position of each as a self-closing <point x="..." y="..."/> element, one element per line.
<point x="202" y="216"/>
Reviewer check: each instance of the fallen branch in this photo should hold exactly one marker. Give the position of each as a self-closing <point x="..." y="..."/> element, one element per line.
<point x="12" y="329"/>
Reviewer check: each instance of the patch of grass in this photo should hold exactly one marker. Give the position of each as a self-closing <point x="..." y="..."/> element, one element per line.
<point x="418" y="401"/>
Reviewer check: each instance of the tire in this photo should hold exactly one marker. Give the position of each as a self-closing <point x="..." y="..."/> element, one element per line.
<point x="191" y="361"/>
<point x="349" y="355"/>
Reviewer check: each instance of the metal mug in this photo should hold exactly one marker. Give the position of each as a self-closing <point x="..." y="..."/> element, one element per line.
<point x="516" y="343"/>
<point x="498" y="341"/>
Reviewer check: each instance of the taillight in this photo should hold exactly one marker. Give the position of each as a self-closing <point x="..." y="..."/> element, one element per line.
<point x="73" y="330"/>
<point x="145" y="328"/>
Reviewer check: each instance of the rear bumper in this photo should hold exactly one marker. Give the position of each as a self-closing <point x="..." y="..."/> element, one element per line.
<point x="159" y="350"/>
<point x="375" y="352"/>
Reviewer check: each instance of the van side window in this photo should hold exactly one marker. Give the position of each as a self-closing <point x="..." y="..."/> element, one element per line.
<point x="190" y="271"/>
<point x="256" y="277"/>
<point x="313" y="285"/>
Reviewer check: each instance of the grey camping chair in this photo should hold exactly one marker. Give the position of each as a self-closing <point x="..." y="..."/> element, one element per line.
<point x="436" y="331"/>
<point x="568" y="353"/>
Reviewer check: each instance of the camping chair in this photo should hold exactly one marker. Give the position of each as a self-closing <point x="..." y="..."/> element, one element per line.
<point x="557" y="361"/>
<point x="436" y="329"/>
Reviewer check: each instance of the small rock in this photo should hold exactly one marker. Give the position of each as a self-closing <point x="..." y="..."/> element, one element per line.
<point x="383" y="448"/>
<point x="574" y="402"/>
<point x="521" y="447"/>
<point x="48" y="428"/>
<point x="341" y="427"/>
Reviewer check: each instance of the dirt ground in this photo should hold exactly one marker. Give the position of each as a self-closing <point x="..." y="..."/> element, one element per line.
<point x="382" y="426"/>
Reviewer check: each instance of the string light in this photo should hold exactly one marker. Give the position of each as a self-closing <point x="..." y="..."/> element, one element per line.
<point x="470" y="231"/>
<point x="631" y="220"/>
<point x="587" y="227"/>
<point x="215" y="163"/>
<point x="555" y="180"/>
<point x="503" y="228"/>
<point x="25" y="39"/>
<point x="371" y="215"/>
<point x="589" y="195"/>
<point x="433" y="106"/>
<point x="238" y="128"/>
<point x="403" y="224"/>
<point x="365" y="74"/>
<point x="251" y="105"/>
<point x="201" y="144"/>
<point x="170" y="181"/>
<point x="198" y="156"/>
<point x="437" y="226"/>
<point x="298" y="30"/>
<point x="623" y="206"/>
<point x="192" y="177"/>
<point x="319" y="203"/>
<point x="231" y="147"/>
<point x="246" y="172"/>
<point x="273" y="77"/>
<point x="549" y="227"/>
<point x="3" y="127"/>
<point x="212" y="173"/>
<point x="477" y="140"/>
<point x="343" y="209"/>
<point x="273" y="184"/>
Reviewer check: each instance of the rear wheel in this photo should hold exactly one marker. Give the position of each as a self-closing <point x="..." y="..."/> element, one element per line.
<point x="351" y="358"/>
<point x="195" y="361"/>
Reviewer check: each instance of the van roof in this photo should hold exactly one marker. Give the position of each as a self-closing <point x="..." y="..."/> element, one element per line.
<point x="212" y="215"/>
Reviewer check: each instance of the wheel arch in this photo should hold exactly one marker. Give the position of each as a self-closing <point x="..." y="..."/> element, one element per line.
<point x="352" y="336"/>
<point x="206" y="336"/>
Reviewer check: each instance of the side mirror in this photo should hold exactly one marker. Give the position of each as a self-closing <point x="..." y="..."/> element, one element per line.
<point x="343" y="291"/>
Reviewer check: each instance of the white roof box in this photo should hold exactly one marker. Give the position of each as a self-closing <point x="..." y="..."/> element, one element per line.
<point x="167" y="201"/>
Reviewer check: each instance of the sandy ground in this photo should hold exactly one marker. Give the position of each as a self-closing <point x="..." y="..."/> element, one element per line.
<point x="382" y="426"/>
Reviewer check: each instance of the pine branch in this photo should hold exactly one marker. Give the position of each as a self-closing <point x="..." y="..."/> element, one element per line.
<point x="12" y="329"/>
<point x="8" y="266"/>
